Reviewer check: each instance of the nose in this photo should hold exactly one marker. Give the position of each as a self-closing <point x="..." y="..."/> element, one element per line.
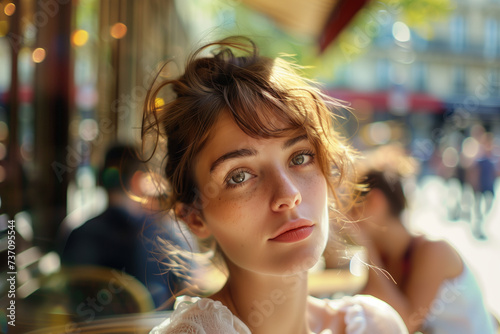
<point x="286" y="194"/>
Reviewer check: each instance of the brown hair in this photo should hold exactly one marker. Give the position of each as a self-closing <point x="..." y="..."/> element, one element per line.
<point x="258" y="92"/>
<point x="384" y="169"/>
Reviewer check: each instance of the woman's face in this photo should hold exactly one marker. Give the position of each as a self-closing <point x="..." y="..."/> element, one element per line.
<point x="264" y="200"/>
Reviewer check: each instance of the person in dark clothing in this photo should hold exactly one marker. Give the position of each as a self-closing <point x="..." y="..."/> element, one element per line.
<point x="483" y="175"/>
<point x="124" y="236"/>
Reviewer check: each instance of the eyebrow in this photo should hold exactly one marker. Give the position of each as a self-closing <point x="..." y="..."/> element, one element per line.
<point x="295" y="140"/>
<point x="232" y="155"/>
<point x="245" y="152"/>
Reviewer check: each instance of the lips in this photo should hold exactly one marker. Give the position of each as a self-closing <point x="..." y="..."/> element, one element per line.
<point x="294" y="231"/>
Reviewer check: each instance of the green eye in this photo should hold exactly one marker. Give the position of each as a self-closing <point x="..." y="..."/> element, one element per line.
<point x="298" y="160"/>
<point x="302" y="158"/>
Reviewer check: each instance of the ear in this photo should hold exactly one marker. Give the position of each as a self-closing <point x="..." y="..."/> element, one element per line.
<point x="193" y="219"/>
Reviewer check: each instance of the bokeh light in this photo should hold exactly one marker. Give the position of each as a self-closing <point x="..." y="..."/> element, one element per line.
<point x="380" y="133"/>
<point x="401" y="32"/>
<point x="470" y="147"/>
<point x="88" y="129"/>
<point x="9" y="9"/>
<point x="118" y="30"/>
<point x="24" y="225"/>
<point x="80" y="37"/>
<point x="27" y="151"/>
<point x="38" y="55"/>
<point x="357" y="265"/>
<point x="49" y="263"/>
<point x="159" y="102"/>
<point x="450" y="157"/>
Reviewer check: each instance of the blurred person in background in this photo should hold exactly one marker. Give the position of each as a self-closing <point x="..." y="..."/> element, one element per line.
<point x="482" y="175"/>
<point x="125" y="235"/>
<point x="426" y="281"/>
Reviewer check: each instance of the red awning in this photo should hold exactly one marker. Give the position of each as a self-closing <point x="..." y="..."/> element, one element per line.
<point x="340" y="16"/>
<point x="380" y="101"/>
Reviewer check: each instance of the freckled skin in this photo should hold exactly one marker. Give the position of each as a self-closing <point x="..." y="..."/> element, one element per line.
<point x="274" y="192"/>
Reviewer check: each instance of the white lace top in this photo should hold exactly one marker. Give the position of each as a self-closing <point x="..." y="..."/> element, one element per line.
<point x="363" y="315"/>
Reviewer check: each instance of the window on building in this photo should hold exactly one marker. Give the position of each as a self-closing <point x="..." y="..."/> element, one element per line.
<point x="457" y="34"/>
<point x="490" y="38"/>
<point x="493" y="80"/>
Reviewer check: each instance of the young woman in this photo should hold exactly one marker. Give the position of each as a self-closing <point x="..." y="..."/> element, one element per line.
<point x="435" y="291"/>
<point x="253" y="165"/>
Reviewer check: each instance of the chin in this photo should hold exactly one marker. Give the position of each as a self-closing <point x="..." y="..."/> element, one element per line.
<point x="301" y="260"/>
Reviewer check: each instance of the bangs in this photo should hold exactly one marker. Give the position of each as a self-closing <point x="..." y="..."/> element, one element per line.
<point x="271" y="114"/>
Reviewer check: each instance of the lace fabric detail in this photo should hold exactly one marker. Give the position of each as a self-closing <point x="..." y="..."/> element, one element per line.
<point x="363" y="315"/>
<point x="366" y="315"/>
<point x="201" y="316"/>
<point x="355" y="319"/>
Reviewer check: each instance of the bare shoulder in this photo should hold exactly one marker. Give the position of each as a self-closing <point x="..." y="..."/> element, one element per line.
<point x="437" y="255"/>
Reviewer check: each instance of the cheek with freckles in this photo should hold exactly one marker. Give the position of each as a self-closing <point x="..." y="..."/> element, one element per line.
<point x="226" y="220"/>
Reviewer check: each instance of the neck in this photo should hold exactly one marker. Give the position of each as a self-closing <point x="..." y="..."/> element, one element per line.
<point x="394" y="243"/>
<point x="267" y="304"/>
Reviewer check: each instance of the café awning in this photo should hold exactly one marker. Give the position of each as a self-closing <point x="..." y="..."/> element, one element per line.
<point x="322" y="20"/>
